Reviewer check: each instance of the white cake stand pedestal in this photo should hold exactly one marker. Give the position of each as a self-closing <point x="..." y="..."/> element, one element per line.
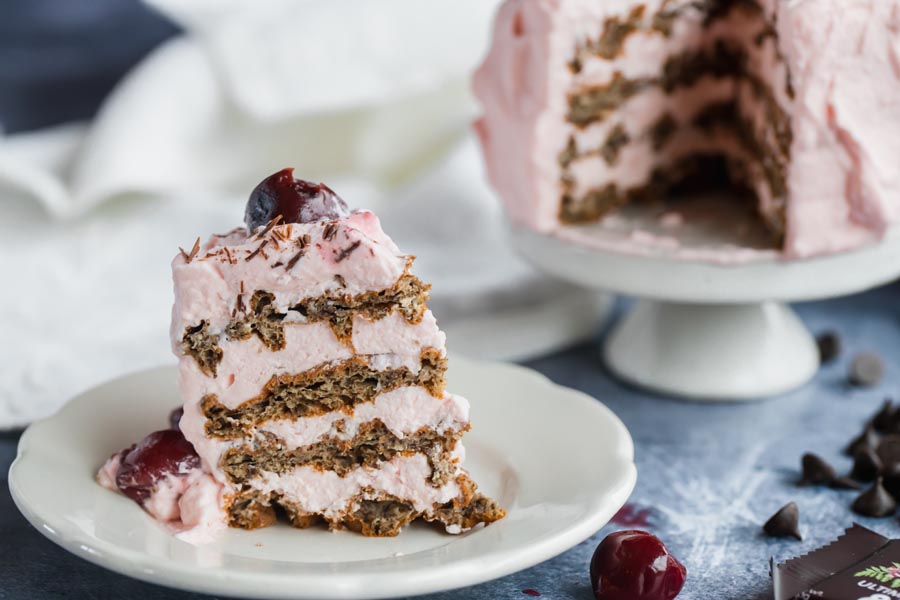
<point x="710" y="323"/>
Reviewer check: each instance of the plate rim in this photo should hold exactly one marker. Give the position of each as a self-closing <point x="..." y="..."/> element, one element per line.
<point x="454" y="575"/>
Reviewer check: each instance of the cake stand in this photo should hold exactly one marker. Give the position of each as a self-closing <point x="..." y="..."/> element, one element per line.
<point x="711" y="322"/>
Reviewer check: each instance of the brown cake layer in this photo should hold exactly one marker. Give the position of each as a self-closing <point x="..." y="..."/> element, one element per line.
<point x="382" y="516"/>
<point x="374" y="443"/>
<point x="259" y="318"/>
<point x="317" y="391"/>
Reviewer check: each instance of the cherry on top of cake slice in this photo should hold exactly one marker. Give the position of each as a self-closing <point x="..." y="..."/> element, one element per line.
<point x="293" y="200"/>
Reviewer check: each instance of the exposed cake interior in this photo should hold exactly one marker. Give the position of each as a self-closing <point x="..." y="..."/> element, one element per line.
<point x="313" y="381"/>
<point x="657" y="92"/>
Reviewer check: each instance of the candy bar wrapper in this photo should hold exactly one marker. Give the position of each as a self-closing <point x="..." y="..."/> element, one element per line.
<point x="859" y="565"/>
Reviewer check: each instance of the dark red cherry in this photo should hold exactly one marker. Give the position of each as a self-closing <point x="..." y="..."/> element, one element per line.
<point x="159" y="454"/>
<point x="635" y="565"/>
<point x="175" y="417"/>
<point x="297" y="201"/>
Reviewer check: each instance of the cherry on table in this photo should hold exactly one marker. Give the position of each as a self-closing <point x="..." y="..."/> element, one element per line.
<point x="297" y="201"/>
<point x="635" y="565"/>
<point x="162" y="453"/>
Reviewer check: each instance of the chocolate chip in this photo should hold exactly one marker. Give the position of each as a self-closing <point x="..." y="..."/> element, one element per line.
<point x="888" y="450"/>
<point x="785" y="522"/>
<point x="867" y="439"/>
<point x="842" y="482"/>
<point x="891" y="480"/>
<point x="875" y="502"/>
<point x="866" y="465"/>
<point x="829" y="344"/>
<point x="866" y="370"/>
<point x="815" y="471"/>
<point x="885" y="419"/>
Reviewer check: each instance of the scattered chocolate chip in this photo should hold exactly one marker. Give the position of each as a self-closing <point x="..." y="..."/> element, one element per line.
<point x="891" y="480"/>
<point x="866" y="465"/>
<point x="829" y="344"/>
<point x="842" y="482"/>
<point x="866" y="370"/>
<point x="785" y="522"/>
<point x="888" y="450"/>
<point x="815" y="471"/>
<point x="884" y="420"/>
<point x="875" y="502"/>
<point x="867" y="439"/>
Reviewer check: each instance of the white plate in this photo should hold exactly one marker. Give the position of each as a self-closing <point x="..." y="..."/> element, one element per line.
<point x="559" y="461"/>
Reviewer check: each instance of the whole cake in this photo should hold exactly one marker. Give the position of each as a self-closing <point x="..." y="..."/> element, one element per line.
<point x="312" y="376"/>
<point x="590" y="104"/>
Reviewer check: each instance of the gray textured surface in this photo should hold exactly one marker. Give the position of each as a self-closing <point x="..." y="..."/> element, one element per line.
<point x="708" y="476"/>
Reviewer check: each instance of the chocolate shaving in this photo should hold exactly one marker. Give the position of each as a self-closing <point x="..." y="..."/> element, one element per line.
<point x="303" y="243"/>
<point x="193" y="253"/>
<point x="330" y="231"/>
<point x="341" y="281"/>
<point x="278" y="264"/>
<point x="348" y="251"/>
<point x="257" y="251"/>
<point x="269" y="227"/>
<point x="228" y="254"/>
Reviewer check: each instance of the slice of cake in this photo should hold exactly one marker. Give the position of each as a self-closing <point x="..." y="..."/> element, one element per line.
<point x="312" y="376"/>
<point x="590" y="104"/>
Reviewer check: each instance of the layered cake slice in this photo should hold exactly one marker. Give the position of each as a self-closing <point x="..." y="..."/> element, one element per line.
<point x="312" y="376"/>
<point x="591" y="104"/>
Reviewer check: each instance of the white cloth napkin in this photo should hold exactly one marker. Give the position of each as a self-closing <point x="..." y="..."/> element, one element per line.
<point x="369" y="96"/>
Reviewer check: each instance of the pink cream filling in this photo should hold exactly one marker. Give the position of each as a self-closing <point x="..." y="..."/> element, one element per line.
<point x="325" y="492"/>
<point x="403" y="411"/>
<point x="247" y="365"/>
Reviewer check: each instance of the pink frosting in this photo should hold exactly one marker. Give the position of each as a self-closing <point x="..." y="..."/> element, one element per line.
<point x="358" y="258"/>
<point x="326" y="492"/>
<point x="843" y="181"/>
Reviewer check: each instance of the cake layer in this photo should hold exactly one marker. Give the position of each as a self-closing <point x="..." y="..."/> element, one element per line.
<point x="246" y="366"/>
<point x="260" y="318"/>
<point x="380" y="515"/>
<point x="295" y="263"/>
<point x="402" y="411"/>
<point x="334" y="387"/>
<point x="372" y="445"/>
